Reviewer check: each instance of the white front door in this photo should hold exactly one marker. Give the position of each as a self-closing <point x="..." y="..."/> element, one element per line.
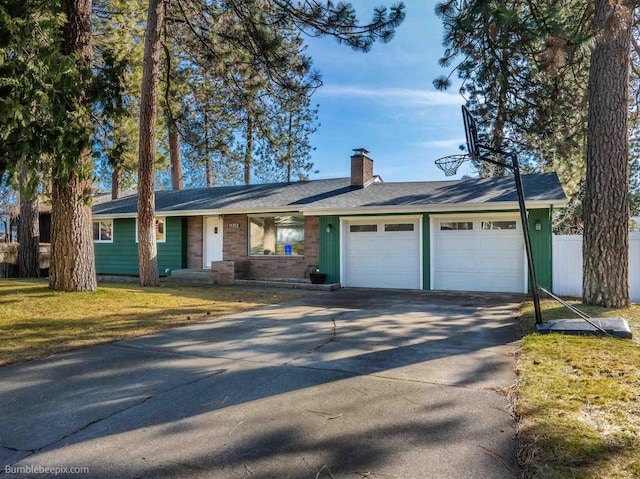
<point x="212" y="248"/>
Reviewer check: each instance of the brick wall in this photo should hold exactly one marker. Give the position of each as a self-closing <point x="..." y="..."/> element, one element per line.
<point x="235" y="248"/>
<point x="223" y="272"/>
<point x="226" y="272"/>
<point x="194" y="242"/>
<point x="235" y="240"/>
<point x="361" y="169"/>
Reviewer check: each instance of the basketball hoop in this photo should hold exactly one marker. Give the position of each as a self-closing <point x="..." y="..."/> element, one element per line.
<point x="450" y="164"/>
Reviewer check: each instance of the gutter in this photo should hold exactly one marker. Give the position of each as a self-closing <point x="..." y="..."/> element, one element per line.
<point x="440" y="208"/>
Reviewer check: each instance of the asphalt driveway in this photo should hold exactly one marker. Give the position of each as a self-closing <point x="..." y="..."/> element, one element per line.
<point x="345" y="384"/>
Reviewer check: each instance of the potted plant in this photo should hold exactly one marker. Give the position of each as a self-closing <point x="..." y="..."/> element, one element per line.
<point x="317" y="277"/>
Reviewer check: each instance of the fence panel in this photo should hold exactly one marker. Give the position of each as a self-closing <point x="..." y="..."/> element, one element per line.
<point x="634" y="266"/>
<point x="567" y="265"/>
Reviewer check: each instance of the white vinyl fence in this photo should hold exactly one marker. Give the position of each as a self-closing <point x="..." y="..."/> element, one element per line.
<point x="567" y="265"/>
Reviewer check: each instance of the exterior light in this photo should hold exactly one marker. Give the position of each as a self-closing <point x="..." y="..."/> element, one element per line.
<point x="538" y="225"/>
<point x="328" y="228"/>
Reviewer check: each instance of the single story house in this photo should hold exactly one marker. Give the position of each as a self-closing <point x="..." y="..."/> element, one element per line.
<point x="362" y="232"/>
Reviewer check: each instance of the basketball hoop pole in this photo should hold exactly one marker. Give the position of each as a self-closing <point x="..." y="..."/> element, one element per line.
<point x="515" y="167"/>
<point x="527" y="239"/>
<point x="473" y="148"/>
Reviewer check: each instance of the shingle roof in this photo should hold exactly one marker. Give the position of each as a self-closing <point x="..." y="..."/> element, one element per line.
<point x="271" y="195"/>
<point x="337" y="194"/>
<point x="537" y="187"/>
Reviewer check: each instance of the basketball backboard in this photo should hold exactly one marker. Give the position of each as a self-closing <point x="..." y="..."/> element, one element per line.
<point x="471" y="133"/>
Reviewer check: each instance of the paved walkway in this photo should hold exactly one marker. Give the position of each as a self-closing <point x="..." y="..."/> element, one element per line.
<point x="346" y="384"/>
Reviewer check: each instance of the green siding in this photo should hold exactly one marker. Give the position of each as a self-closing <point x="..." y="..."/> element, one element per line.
<point x="329" y="248"/>
<point x="541" y="245"/>
<point x="426" y="252"/>
<point x="121" y="256"/>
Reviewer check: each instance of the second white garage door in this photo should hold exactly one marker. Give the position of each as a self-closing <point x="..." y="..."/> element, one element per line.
<point x="478" y="253"/>
<point x="382" y="252"/>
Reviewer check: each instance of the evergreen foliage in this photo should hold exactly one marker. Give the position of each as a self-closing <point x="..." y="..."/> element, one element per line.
<point x="118" y="31"/>
<point x="549" y="76"/>
<point x="524" y="68"/>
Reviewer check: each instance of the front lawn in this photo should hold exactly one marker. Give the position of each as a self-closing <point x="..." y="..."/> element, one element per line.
<point x="36" y="322"/>
<point x="578" y="400"/>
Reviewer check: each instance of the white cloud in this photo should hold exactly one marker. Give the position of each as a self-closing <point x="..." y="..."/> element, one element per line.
<point x="451" y="144"/>
<point x="403" y="96"/>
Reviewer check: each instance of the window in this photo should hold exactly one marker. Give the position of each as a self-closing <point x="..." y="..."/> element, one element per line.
<point x="363" y="228"/>
<point x="276" y="235"/>
<point x="161" y="230"/>
<point x="103" y="231"/>
<point x="456" y="225"/>
<point x="399" y="227"/>
<point x="498" y="225"/>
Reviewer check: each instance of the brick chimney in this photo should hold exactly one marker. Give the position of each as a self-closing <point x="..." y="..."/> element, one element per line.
<point x="361" y="168"/>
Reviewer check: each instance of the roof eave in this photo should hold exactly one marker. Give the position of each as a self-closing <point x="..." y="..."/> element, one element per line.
<point x="437" y="208"/>
<point x="209" y="212"/>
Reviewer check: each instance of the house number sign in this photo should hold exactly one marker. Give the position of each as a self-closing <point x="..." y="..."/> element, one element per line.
<point x="234" y="225"/>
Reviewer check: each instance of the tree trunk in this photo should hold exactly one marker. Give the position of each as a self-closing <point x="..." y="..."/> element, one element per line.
<point x="176" y="158"/>
<point x="72" y="269"/>
<point x="72" y="259"/>
<point x="248" y="154"/>
<point x="117" y="163"/>
<point x="207" y="151"/>
<point x="174" y="137"/>
<point x="116" y="182"/>
<point x="28" y="230"/>
<point x="606" y="202"/>
<point x="147" y="248"/>
<point x="290" y="147"/>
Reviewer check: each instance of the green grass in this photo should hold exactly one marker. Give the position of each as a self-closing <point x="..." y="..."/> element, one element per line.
<point x="578" y="399"/>
<point x="36" y="322"/>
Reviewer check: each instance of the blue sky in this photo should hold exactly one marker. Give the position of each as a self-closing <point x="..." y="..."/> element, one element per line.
<point x="384" y="101"/>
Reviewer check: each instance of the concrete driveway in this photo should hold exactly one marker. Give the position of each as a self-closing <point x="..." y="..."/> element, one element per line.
<point x="345" y="384"/>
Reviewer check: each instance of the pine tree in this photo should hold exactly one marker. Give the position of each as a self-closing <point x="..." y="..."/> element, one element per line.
<point x="147" y="248"/>
<point x="558" y="79"/>
<point x="44" y="121"/>
<point x="260" y="39"/>
<point x="72" y="258"/>
<point x="118" y="61"/>
<point x="606" y="201"/>
<point x="26" y="40"/>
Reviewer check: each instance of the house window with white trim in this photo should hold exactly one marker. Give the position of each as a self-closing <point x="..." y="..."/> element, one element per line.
<point x="103" y="231"/>
<point x="499" y="225"/>
<point x="161" y="230"/>
<point x="456" y="225"/>
<point x="276" y="235"/>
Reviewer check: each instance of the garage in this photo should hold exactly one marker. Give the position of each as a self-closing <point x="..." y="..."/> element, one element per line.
<point x="477" y="253"/>
<point x="382" y="252"/>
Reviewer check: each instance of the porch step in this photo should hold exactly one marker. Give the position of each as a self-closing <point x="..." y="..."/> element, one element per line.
<point x="190" y="276"/>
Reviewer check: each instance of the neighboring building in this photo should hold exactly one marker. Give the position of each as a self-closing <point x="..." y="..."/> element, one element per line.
<point x="362" y="232"/>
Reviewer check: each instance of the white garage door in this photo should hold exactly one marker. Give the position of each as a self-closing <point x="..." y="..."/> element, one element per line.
<point x="382" y="253"/>
<point x="478" y="253"/>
